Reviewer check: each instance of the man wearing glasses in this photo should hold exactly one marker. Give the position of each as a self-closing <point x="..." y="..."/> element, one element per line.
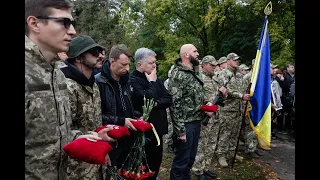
<point x="48" y="31"/>
<point x="83" y="56"/>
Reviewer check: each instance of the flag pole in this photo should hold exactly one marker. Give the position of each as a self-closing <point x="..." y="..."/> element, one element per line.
<point x="267" y="11"/>
<point x="242" y="122"/>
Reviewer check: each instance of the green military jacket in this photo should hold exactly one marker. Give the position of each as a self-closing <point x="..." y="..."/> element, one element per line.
<point x="47" y="116"/>
<point x="86" y="116"/>
<point x="186" y="87"/>
<point x="211" y="87"/>
<point x="234" y="89"/>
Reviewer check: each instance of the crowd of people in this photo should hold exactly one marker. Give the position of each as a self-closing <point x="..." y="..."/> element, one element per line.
<point x="72" y="88"/>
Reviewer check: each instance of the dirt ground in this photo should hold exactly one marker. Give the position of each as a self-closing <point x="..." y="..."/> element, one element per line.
<point x="280" y="159"/>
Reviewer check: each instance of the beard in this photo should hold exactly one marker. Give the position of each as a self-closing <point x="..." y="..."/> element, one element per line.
<point x="92" y="64"/>
<point x="193" y="61"/>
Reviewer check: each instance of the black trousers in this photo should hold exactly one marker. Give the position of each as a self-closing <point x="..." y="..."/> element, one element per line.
<point x="121" y="149"/>
<point x="186" y="152"/>
<point x="154" y="155"/>
<point x="287" y="108"/>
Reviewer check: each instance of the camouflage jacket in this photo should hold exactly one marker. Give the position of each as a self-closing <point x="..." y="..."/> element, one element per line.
<point x="86" y="116"/>
<point x="186" y="87"/>
<point x="211" y="87"/>
<point x="47" y="116"/>
<point x="234" y="89"/>
<point x="247" y="78"/>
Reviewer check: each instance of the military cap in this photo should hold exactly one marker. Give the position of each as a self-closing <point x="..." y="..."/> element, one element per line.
<point x="81" y="44"/>
<point x="243" y="67"/>
<point x="232" y="56"/>
<point x="208" y="59"/>
<point x="222" y="60"/>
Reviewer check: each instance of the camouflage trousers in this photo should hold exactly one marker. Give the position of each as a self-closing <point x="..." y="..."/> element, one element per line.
<point x="249" y="136"/>
<point x="250" y="139"/>
<point x="79" y="170"/>
<point x="207" y="145"/>
<point x="167" y="137"/>
<point x="229" y="133"/>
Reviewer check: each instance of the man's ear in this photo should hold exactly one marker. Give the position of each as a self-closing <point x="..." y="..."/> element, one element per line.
<point x="139" y="64"/>
<point x="186" y="55"/>
<point x="111" y="60"/>
<point x="33" y="24"/>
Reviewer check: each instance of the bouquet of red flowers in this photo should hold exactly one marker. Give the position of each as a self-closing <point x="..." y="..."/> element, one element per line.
<point x="135" y="165"/>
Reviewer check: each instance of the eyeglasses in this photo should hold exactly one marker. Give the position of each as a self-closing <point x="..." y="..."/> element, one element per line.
<point x="95" y="51"/>
<point x="66" y="21"/>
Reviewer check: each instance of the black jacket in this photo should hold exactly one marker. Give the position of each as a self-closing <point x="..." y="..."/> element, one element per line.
<point x="288" y="80"/>
<point x="75" y="74"/>
<point x="158" y="115"/>
<point x="116" y="104"/>
<point x="279" y="81"/>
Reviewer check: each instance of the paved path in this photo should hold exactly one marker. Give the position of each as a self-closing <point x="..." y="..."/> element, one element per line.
<point x="282" y="157"/>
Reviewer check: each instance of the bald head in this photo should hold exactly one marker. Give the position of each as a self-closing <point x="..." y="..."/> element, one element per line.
<point x="189" y="54"/>
<point x="186" y="48"/>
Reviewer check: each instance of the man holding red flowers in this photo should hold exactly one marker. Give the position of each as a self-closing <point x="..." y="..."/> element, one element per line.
<point x="145" y="84"/>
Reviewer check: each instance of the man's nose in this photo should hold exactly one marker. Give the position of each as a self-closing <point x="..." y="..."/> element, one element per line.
<point x="101" y="55"/>
<point x="127" y="68"/>
<point x="72" y="31"/>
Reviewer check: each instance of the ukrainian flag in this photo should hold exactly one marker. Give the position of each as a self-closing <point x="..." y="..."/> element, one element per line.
<point x="259" y="106"/>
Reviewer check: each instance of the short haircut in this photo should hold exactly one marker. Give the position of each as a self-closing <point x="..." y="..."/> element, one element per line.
<point x="288" y="65"/>
<point x="142" y="54"/>
<point x="117" y="50"/>
<point x="43" y="8"/>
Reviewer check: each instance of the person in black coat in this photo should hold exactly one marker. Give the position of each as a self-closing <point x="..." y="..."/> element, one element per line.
<point x="116" y="104"/>
<point x="289" y="78"/>
<point x="145" y="83"/>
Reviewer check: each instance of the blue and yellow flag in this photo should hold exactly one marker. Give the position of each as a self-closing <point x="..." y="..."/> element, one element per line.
<point x="259" y="106"/>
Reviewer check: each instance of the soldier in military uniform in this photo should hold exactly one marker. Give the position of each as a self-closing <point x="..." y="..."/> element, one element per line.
<point x="47" y="108"/>
<point x="47" y="112"/>
<point x="250" y="138"/>
<point x="167" y="138"/>
<point x="230" y="114"/>
<point x="222" y="63"/>
<point x="83" y="56"/>
<point x="243" y="69"/>
<point x="186" y="87"/>
<point x="208" y="133"/>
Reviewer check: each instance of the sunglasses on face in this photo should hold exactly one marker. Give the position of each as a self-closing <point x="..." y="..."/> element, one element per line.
<point x="65" y="21"/>
<point x="95" y="52"/>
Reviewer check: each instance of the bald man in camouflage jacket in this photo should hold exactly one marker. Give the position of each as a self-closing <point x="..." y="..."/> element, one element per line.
<point x="186" y="87"/>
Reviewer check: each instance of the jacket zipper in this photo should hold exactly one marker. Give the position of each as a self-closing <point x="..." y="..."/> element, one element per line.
<point x="114" y="97"/>
<point x="58" y="115"/>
